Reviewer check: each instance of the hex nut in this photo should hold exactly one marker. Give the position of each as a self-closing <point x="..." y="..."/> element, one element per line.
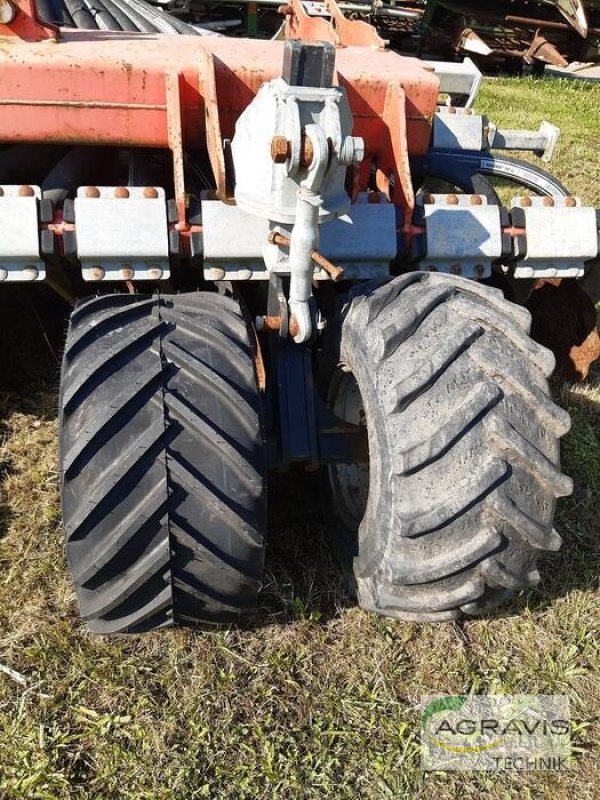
<point x="96" y="273"/>
<point x="280" y="149"/>
<point x="30" y="273"/>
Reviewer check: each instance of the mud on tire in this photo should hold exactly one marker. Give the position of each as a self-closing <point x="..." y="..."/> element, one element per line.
<point x="162" y="461"/>
<point x="464" y="451"/>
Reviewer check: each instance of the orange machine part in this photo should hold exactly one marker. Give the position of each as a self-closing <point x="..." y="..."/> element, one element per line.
<point x="168" y="91"/>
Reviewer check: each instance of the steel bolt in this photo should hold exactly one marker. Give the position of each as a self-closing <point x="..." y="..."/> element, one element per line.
<point x="155" y="273"/>
<point x="121" y="192"/>
<point x="25" y="191"/>
<point x="285" y="10"/>
<point x="428" y="199"/>
<point x="548" y="202"/>
<point x="96" y="273"/>
<point x="150" y="193"/>
<point x="217" y="274"/>
<point x="526" y="202"/>
<point x="452" y="200"/>
<point x="92" y="191"/>
<point x="452" y="110"/>
<point x="570" y="202"/>
<point x="127" y="273"/>
<point x="30" y="273"/>
<point x="280" y="149"/>
<point x="476" y="200"/>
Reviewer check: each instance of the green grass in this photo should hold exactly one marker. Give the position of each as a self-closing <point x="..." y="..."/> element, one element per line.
<point x="312" y="698"/>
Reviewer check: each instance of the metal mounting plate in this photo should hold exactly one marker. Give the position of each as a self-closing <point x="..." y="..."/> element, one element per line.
<point x="560" y="238"/>
<point x="122" y="234"/>
<point x="461" y="238"/>
<point x="20" y="241"/>
<point x="235" y="243"/>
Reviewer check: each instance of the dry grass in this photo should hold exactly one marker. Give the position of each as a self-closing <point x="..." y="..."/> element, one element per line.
<point x="312" y="698"/>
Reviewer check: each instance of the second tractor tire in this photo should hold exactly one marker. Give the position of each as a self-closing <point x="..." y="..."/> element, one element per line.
<point x="459" y="496"/>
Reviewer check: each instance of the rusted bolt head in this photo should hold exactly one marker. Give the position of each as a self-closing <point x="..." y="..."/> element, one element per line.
<point x="452" y="200"/>
<point x="150" y="193"/>
<point x="127" y="273"/>
<point x="30" y="273"/>
<point x="526" y="202"/>
<point x="121" y="192"/>
<point x="428" y="199"/>
<point x="92" y="191"/>
<point x="548" y="202"/>
<point x="452" y="109"/>
<point x="96" y="273"/>
<point x="280" y="149"/>
<point x="307" y="152"/>
<point x="25" y="191"/>
<point x="285" y="10"/>
<point x="476" y="200"/>
<point x="570" y="202"/>
<point x="155" y="273"/>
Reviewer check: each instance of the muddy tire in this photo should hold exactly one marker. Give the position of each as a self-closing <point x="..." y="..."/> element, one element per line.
<point x="162" y="462"/>
<point x="459" y="495"/>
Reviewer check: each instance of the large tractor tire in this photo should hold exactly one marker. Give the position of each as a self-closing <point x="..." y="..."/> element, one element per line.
<point x="162" y="462"/>
<point x="459" y="495"/>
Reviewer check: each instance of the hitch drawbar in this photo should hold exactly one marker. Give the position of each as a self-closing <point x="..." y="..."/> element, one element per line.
<point x="129" y="233"/>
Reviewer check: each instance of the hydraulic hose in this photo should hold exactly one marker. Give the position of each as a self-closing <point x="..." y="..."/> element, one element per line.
<point x="125" y="22"/>
<point x="142" y="22"/>
<point x="81" y="15"/>
<point x="103" y="18"/>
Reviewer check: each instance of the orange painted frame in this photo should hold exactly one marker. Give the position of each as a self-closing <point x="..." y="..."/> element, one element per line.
<point x="96" y="87"/>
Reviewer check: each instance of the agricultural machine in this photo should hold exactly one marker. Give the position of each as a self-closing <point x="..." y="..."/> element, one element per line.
<point x="288" y="253"/>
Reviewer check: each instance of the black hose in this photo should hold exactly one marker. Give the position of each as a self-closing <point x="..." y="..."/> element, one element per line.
<point x="24" y="163"/>
<point x="76" y="168"/>
<point x="162" y="25"/>
<point x="142" y="23"/>
<point x="125" y="22"/>
<point x="104" y="19"/>
<point x="164" y="22"/>
<point x="47" y="11"/>
<point x="81" y="15"/>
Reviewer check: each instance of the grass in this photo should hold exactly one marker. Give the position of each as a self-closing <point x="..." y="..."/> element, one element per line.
<point x="312" y="698"/>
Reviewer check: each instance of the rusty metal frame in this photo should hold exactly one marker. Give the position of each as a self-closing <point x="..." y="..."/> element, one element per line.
<point x="339" y="30"/>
